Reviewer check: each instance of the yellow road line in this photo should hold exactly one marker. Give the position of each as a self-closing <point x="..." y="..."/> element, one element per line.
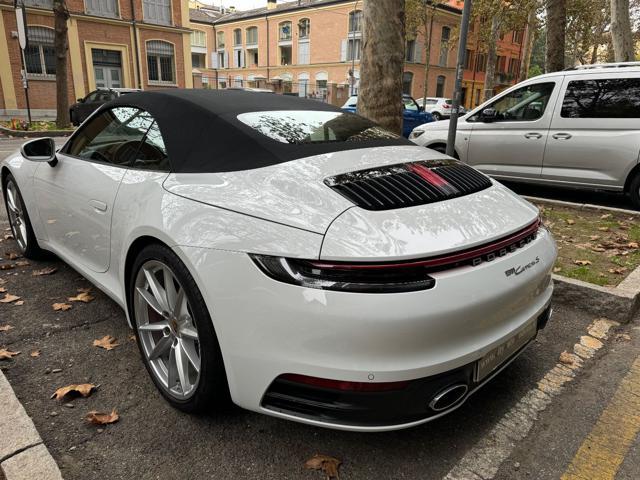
<point x="603" y="451"/>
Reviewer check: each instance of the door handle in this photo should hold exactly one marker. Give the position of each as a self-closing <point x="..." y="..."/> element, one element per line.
<point x="533" y="135"/>
<point x="98" y="205"/>
<point x="562" y="136"/>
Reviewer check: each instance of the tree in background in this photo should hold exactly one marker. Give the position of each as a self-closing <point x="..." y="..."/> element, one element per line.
<point x="621" y="35"/>
<point x="556" y="28"/>
<point x="381" y="68"/>
<point x="61" y="44"/>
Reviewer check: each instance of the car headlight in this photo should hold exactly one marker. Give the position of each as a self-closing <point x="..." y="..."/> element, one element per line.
<point x="415" y="134"/>
<point x="344" y="277"/>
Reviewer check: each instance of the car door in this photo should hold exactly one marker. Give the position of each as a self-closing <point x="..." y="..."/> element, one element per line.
<point x="411" y="116"/>
<point x="510" y="144"/>
<point x="594" y="137"/>
<point x="75" y="197"/>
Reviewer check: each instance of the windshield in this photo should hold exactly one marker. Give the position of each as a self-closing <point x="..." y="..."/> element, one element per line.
<point x="304" y="127"/>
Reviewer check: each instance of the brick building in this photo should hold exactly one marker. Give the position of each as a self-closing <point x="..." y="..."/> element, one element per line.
<point x="313" y="48"/>
<point x="112" y="43"/>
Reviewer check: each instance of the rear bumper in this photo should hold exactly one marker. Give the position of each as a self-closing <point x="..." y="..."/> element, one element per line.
<point x="267" y="328"/>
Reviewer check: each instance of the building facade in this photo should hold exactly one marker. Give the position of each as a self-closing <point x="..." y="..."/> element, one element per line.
<point x="112" y="43"/>
<point x="313" y="48"/>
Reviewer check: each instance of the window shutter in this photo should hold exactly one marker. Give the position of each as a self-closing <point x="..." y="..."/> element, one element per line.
<point x="343" y="51"/>
<point x="214" y="60"/>
<point x="243" y="59"/>
<point x="417" y="52"/>
<point x="226" y="60"/>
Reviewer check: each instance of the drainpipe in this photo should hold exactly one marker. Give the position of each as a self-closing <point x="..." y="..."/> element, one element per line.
<point x="266" y="17"/>
<point x="135" y="39"/>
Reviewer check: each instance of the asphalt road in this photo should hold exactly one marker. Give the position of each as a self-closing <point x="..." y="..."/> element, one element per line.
<point x="153" y="441"/>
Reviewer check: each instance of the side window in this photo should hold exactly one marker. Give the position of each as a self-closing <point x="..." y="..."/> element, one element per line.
<point x="522" y="105"/>
<point x="409" y="104"/>
<point x="112" y="137"/>
<point x="92" y="97"/>
<point x="604" y="98"/>
<point x="152" y="154"/>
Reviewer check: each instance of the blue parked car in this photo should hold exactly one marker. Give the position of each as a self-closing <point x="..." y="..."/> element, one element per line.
<point x="412" y="117"/>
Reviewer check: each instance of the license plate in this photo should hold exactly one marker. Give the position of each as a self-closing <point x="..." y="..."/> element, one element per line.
<point x="502" y="352"/>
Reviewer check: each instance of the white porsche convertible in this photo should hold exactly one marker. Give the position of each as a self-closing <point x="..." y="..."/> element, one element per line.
<point x="295" y="259"/>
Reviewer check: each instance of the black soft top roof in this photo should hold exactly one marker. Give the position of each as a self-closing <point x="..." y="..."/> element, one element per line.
<point x="202" y="133"/>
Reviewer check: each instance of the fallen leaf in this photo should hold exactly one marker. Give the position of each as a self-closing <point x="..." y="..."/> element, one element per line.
<point x="7" y="354"/>
<point x="84" y="290"/>
<point x="603" y="229"/>
<point x="22" y="263"/>
<point x="633" y="245"/>
<point x="571" y="221"/>
<point x="44" y="271"/>
<point x="605" y="216"/>
<point x="8" y="298"/>
<point x="132" y="337"/>
<point x="35" y="354"/>
<point x="12" y="255"/>
<point x="598" y="249"/>
<point x="582" y="262"/>
<point x="5" y="328"/>
<point x="328" y="465"/>
<point x="107" y="342"/>
<point x="557" y="269"/>
<point x="3" y="290"/>
<point x="623" y="337"/>
<point x="594" y="237"/>
<point x="8" y="236"/>
<point x="618" y="271"/>
<point x="98" y="418"/>
<point x="19" y="303"/>
<point x="80" y="390"/>
<point x="82" y="297"/>
<point x="61" y="306"/>
<point x="7" y="266"/>
<point x="567" y="358"/>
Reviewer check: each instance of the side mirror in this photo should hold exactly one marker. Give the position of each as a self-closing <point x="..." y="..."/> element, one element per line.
<point x="489" y="114"/>
<point x="40" y="150"/>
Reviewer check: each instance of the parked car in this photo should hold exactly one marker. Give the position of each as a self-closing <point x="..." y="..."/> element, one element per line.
<point x="439" y="107"/>
<point x="575" y="128"/>
<point x="412" y="117"/>
<point x="80" y="111"/>
<point x="296" y="258"/>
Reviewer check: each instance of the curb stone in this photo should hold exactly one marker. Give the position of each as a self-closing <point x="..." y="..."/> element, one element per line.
<point x="581" y="206"/>
<point x="22" y="453"/>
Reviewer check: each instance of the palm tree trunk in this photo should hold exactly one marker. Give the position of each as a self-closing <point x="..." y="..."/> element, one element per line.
<point x="380" y="96"/>
<point x="556" y="25"/>
<point x="621" y="35"/>
<point x="61" y="44"/>
<point x="492" y="58"/>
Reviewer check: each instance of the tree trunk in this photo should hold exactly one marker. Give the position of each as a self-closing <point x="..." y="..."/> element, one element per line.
<point x="527" y="45"/>
<point x="621" y="35"/>
<point x="380" y="95"/>
<point x="492" y="58"/>
<point x="556" y="25"/>
<point x="427" y="62"/>
<point x="61" y="45"/>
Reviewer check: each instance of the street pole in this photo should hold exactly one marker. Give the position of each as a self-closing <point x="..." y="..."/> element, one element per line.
<point x="457" y="90"/>
<point x="21" y="23"/>
<point x="353" y="53"/>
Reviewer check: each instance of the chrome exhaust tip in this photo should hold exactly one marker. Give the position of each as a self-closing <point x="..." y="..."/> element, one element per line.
<point x="448" y="397"/>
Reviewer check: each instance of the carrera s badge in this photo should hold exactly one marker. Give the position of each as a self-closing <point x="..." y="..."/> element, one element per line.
<point x="522" y="268"/>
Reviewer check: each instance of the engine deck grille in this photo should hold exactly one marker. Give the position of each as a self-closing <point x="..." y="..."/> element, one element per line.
<point x="409" y="184"/>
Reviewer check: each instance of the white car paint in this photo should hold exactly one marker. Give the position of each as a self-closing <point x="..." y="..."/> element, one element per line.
<point x="267" y="328"/>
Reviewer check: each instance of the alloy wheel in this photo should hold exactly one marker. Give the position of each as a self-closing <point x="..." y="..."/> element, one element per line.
<point x="17" y="219"/>
<point x="166" y="329"/>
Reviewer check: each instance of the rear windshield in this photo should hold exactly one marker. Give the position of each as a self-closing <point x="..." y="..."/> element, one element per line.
<point x="308" y="127"/>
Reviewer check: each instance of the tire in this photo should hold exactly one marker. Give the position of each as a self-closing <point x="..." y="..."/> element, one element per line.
<point x="436" y="116"/>
<point x="439" y="148"/>
<point x="184" y="337"/>
<point x="19" y="220"/>
<point x="634" y="191"/>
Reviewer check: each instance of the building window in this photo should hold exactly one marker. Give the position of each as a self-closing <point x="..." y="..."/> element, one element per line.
<point x="252" y="36"/>
<point x="440" y="81"/>
<point x="157" y="11"/>
<point x="481" y="62"/>
<point x="304" y="53"/>
<point x="198" y="38"/>
<point x="40" y="57"/>
<point x="304" y="28"/>
<point x="354" y="49"/>
<point x="355" y="21"/>
<point x="468" y="60"/>
<point x="514" y="66"/>
<point x="285" y="55"/>
<point x="220" y="39"/>
<point x="39" y="3"/>
<point x="285" y="31"/>
<point x="407" y="82"/>
<point x="410" y="51"/>
<point x="253" y="57"/>
<point x="102" y="8"/>
<point x="444" y="46"/>
<point x="238" y="58"/>
<point x="198" y="60"/>
<point x="518" y="36"/>
<point x="237" y="37"/>
<point x="160" y="62"/>
<point x="222" y="59"/>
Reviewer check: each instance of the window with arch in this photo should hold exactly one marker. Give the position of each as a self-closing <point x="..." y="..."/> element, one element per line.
<point x="444" y="46"/>
<point x="252" y="36"/>
<point x="198" y="38"/>
<point x="237" y="37"/>
<point x="40" y="55"/>
<point x="304" y="28"/>
<point x="355" y="21"/>
<point x="220" y="39"/>
<point x="284" y="30"/>
<point x="160" y="62"/>
<point x="440" y="82"/>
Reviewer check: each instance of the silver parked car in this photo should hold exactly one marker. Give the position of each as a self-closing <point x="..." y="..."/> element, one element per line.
<point x="439" y="107"/>
<point x="578" y="128"/>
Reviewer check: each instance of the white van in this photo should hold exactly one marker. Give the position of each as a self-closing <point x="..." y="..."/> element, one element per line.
<point x="578" y="128"/>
